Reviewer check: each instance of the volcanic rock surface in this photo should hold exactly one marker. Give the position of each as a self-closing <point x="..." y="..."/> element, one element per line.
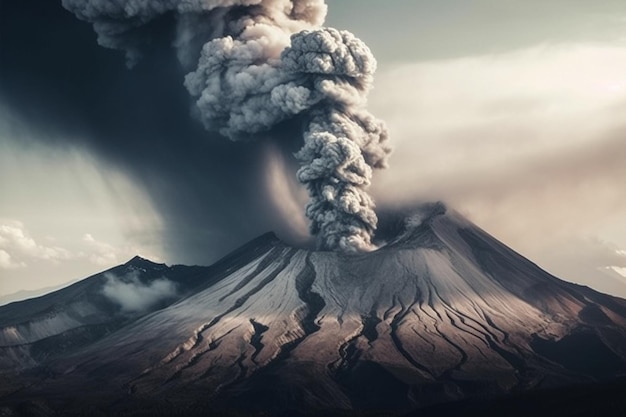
<point x="441" y="312"/>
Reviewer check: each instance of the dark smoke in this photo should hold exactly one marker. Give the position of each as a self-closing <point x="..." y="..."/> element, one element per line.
<point x="263" y="62"/>
<point x="342" y="141"/>
<point x="68" y="93"/>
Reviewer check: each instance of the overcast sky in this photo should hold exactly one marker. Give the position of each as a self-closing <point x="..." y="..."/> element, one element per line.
<point x="510" y="111"/>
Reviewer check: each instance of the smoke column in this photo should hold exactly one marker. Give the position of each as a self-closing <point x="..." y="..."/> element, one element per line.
<point x="256" y="63"/>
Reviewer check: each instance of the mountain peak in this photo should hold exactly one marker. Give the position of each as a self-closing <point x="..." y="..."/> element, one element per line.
<point x="414" y="227"/>
<point x="139" y="262"/>
<point x="443" y="312"/>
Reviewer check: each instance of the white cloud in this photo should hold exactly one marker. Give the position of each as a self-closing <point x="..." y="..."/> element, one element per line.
<point x="619" y="264"/>
<point x="6" y="262"/>
<point x="14" y="239"/>
<point x="100" y="253"/>
<point x="13" y="233"/>
<point x="135" y="296"/>
<point x="20" y="249"/>
<point x="104" y="254"/>
<point x="619" y="270"/>
<point x="30" y="262"/>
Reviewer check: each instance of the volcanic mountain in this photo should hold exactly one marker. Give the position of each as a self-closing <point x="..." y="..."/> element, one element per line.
<point x="442" y="312"/>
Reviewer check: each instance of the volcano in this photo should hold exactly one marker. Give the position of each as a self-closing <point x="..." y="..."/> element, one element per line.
<point x="441" y="314"/>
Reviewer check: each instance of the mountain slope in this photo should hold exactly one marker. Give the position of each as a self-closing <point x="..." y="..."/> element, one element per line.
<point x="442" y="312"/>
<point x="33" y="330"/>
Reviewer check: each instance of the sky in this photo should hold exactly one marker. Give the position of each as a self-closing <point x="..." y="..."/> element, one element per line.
<point x="509" y="111"/>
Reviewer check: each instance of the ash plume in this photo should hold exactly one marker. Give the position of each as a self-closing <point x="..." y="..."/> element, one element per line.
<point x="256" y="63"/>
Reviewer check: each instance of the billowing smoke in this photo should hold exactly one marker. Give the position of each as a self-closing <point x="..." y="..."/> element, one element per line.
<point x="259" y="63"/>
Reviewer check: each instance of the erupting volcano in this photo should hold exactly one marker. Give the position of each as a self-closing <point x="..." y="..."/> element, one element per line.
<point x="443" y="312"/>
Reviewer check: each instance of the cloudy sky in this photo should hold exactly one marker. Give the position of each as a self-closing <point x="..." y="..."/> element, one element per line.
<point x="510" y="111"/>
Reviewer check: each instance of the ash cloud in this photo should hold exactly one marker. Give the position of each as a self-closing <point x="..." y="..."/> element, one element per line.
<point x="70" y="93"/>
<point x="262" y="63"/>
<point x="134" y="296"/>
